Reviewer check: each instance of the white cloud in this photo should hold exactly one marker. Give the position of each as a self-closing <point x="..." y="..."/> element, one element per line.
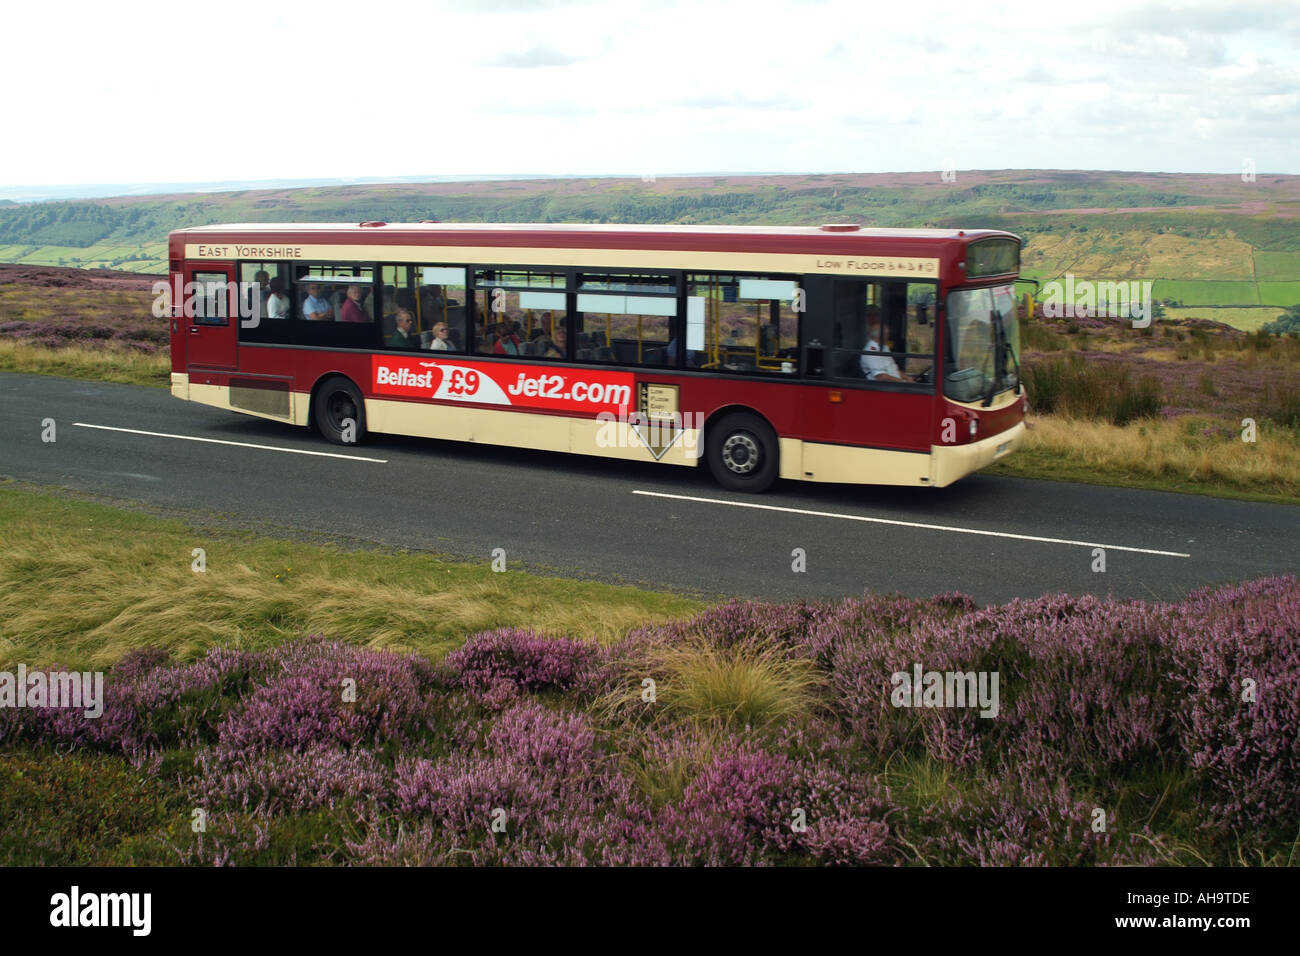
<point x="333" y="88"/>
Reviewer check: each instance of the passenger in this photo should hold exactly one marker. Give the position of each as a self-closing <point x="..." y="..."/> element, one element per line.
<point x="431" y="300"/>
<point x="277" y="303"/>
<point x="441" y="338"/>
<point x="879" y="367"/>
<point x="556" y="348"/>
<point x="402" y="337"/>
<point x="507" y="342"/>
<point x="352" y="310"/>
<point x="317" y="308"/>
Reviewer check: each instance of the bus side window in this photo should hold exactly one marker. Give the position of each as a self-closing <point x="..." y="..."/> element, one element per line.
<point x="743" y="323"/>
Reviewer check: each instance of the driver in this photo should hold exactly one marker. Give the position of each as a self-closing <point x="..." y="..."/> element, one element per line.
<point x="877" y="364"/>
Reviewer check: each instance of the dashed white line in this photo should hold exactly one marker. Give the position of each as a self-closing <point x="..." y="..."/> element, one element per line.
<point x="236" y="444"/>
<point x="914" y="524"/>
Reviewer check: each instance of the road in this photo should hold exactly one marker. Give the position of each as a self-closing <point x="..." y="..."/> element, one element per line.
<point x="659" y="526"/>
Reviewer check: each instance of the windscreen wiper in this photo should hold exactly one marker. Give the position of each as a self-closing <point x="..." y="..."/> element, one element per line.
<point x="995" y="320"/>
<point x="1008" y="350"/>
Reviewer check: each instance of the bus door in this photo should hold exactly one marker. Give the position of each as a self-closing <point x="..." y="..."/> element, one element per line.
<point x="882" y="331"/>
<point x="210" y="315"/>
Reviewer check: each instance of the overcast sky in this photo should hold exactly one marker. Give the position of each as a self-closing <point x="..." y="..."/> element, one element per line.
<point x="164" y="92"/>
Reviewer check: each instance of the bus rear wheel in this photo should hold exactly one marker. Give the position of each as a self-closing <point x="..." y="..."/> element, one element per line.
<point x="742" y="453"/>
<point x="339" y="411"/>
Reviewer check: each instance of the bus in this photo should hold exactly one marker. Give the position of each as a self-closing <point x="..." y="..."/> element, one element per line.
<point x="832" y="353"/>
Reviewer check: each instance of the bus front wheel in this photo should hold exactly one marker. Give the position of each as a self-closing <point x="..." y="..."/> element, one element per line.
<point x="742" y="453"/>
<point x="339" y="411"/>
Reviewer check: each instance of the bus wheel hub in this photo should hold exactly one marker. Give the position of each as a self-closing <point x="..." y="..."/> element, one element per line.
<point x="740" y="454"/>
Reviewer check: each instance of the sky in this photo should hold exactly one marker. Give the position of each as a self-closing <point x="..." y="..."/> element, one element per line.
<point x="232" y="91"/>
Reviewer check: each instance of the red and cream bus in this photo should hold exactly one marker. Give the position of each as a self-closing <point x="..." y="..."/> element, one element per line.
<point x="833" y="353"/>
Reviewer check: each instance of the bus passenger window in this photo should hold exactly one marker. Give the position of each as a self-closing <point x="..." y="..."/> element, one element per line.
<point x="743" y="323"/>
<point x="626" y="319"/>
<point x="516" y="312"/>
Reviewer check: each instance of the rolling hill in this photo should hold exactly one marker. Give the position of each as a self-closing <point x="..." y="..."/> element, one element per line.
<point x="1208" y="242"/>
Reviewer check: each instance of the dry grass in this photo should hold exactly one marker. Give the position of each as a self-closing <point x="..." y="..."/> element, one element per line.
<point x="95" y="363"/>
<point x="742" y="686"/>
<point x="82" y="584"/>
<point x="1178" y="454"/>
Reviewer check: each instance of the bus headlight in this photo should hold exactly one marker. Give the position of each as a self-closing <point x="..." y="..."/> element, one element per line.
<point x="974" y="426"/>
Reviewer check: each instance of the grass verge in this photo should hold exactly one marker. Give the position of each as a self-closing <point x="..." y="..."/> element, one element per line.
<point x="82" y="583"/>
<point x="1189" y="455"/>
<point x="95" y="363"/>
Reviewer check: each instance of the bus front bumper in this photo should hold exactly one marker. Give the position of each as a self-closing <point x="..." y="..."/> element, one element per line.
<point x="948" y="463"/>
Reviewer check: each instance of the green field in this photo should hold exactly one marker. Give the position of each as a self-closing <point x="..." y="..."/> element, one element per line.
<point x="1246" y="319"/>
<point x="1285" y="294"/>
<point x="148" y="258"/>
<point x="1202" y="292"/>
<point x="1277" y="266"/>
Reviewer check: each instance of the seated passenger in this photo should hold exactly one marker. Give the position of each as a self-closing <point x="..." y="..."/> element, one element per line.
<point x="263" y="280"/>
<point x="277" y="303"/>
<point x="402" y="337"/>
<point x="556" y="348"/>
<point x="352" y="310"/>
<point x="316" y="308"/>
<point x="431" y="301"/>
<point x="507" y="343"/>
<point x="441" y="338"/>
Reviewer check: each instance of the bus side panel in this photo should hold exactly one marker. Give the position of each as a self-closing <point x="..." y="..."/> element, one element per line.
<point x="819" y="412"/>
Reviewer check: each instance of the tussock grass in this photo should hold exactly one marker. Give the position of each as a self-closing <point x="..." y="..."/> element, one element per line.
<point x="739" y="685"/>
<point x="664" y="780"/>
<point x="747" y="685"/>
<point x="1073" y="387"/>
<point x="1174" y="455"/>
<point x="81" y="584"/>
<point x="96" y="363"/>
<point x="919" y="781"/>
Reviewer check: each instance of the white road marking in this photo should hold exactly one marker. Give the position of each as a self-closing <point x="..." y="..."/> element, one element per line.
<point x="237" y="444"/>
<point x="914" y="524"/>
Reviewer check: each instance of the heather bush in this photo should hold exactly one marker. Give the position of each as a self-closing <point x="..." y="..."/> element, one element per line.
<point x="559" y="797"/>
<point x="496" y="666"/>
<point x="307" y="702"/>
<point x="1015" y="821"/>
<point x="287" y="781"/>
<point x="773" y="739"/>
<point x="1231" y="645"/>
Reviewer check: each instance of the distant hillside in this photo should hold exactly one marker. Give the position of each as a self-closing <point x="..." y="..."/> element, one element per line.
<point x="1209" y="241"/>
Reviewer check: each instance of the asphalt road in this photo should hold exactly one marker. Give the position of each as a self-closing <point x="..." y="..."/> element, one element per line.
<point x="652" y="525"/>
